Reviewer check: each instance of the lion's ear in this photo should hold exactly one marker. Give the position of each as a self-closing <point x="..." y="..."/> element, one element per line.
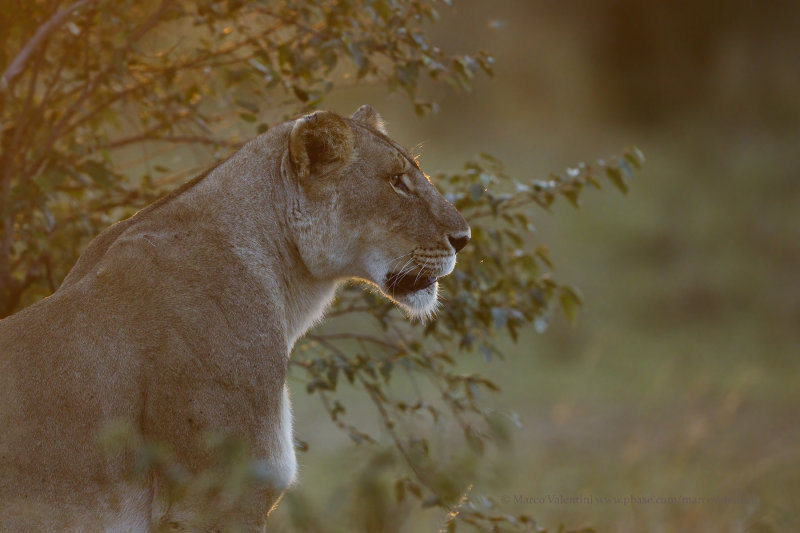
<point x="366" y="114"/>
<point x="319" y="143"/>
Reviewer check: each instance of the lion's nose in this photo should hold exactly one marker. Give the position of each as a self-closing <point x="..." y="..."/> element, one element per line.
<point x="458" y="242"/>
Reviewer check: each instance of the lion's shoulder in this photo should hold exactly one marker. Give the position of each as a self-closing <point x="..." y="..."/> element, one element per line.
<point x="100" y="245"/>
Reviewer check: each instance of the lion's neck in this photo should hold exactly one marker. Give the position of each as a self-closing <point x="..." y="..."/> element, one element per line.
<point x="304" y="298"/>
<point x="253" y="212"/>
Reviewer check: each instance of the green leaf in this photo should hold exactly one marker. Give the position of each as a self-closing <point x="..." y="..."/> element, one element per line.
<point x="625" y="168"/>
<point x="474" y="440"/>
<point x="635" y="156"/>
<point x="431" y="501"/>
<point x="476" y="192"/>
<point x="571" y="302"/>
<point x="420" y="40"/>
<point x="486" y="63"/>
<point x="486" y="352"/>
<point x="98" y="172"/>
<point x="407" y="74"/>
<point x="467" y="66"/>
<point x="356" y="55"/>
<point x="49" y="219"/>
<point x="499" y="317"/>
<point x="329" y="59"/>
<point x="385" y="370"/>
<point x="259" y="66"/>
<point x="333" y="376"/>
<point x="615" y="176"/>
<point x="572" y="194"/>
<point x="285" y="55"/>
<point x="544" y="255"/>
<point x="541" y="323"/>
<point x="51" y="178"/>
<point x="399" y="490"/>
<point x="414" y="489"/>
<point x="491" y="159"/>
<point x="300" y="93"/>
<point x="250" y="106"/>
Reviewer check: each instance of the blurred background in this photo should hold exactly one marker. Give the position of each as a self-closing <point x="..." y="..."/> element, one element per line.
<point x="680" y="378"/>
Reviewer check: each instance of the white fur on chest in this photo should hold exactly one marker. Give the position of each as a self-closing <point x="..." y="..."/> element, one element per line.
<point x="281" y="465"/>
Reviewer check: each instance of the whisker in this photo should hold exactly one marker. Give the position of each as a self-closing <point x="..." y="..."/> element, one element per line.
<point x="419" y="273"/>
<point x="407" y="268"/>
<point x="401" y="273"/>
<point x="399" y="257"/>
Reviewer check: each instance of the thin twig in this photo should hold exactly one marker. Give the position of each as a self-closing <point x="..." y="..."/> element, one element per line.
<point x="62" y="127"/>
<point x="356" y="337"/>
<point x="349" y="309"/>
<point x="178" y="139"/>
<point x="388" y="424"/>
<point x="44" y="31"/>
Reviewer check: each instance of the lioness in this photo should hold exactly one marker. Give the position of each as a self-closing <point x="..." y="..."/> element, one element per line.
<point x="181" y="318"/>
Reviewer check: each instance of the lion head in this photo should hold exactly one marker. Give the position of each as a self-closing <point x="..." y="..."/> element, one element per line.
<point x="366" y="210"/>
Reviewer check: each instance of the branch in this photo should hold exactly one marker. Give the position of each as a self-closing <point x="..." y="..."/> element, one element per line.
<point x="62" y="127"/>
<point x="349" y="309"/>
<point x="44" y="31"/>
<point x="352" y="430"/>
<point x="149" y="24"/>
<point x="389" y="426"/>
<point x="358" y="337"/>
<point x="185" y="139"/>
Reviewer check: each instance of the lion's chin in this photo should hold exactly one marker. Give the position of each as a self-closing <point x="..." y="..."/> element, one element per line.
<point x="421" y="304"/>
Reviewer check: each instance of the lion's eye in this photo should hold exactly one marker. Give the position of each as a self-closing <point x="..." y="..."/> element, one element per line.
<point x="399" y="184"/>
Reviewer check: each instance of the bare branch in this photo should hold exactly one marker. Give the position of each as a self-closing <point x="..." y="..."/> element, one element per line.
<point x="394" y="346"/>
<point x="178" y="139"/>
<point x="389" y="426"/>
<point x="349" y="309"/>
<point x="62" y="127"/>
<point x="44" y="31"/>
<point x="149" y="24"/>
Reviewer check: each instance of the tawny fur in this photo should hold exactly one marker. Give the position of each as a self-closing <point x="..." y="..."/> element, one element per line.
<point x="181" y="319"/>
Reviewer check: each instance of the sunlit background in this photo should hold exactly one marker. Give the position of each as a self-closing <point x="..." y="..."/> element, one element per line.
<point x="680" y="378"/>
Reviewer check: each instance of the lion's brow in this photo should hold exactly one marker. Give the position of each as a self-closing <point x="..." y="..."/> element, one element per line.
<point x="392" y="144"/>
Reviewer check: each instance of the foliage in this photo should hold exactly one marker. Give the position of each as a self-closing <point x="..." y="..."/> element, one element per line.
<point x="95" y="78"/>
<point x="218" y="486"/>
<point x="90" y="80"/>
<point x="502" y="285"/>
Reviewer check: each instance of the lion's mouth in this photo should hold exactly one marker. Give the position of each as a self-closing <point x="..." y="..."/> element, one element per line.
<point x="400" y="284"/>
